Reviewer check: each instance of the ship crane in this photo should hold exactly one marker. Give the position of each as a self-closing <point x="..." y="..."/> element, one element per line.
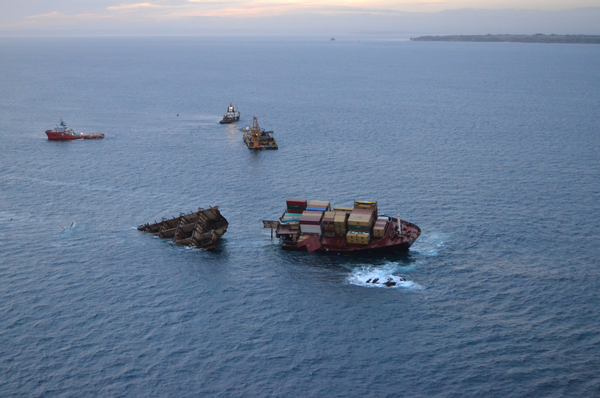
<point x="255" y="131"/>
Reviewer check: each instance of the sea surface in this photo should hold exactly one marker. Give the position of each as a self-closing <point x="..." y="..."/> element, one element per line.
<point x="492" y="149"/>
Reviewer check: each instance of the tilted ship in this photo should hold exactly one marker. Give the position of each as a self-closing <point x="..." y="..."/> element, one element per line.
<point x="312" y="226"/>
<point x="231" y="116"/>
<point x="64" y="133"/>
<point x="201" y="229"/>
<point x="257" y="138"/>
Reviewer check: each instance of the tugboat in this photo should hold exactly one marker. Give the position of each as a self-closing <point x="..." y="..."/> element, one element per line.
<point x="64" y="133"/>
<point x="312" y="226"/>
<point x="257" y="138"/>
<point x="231" y="116"/>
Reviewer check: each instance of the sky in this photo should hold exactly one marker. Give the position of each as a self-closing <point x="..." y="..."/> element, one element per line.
<point x="105" y="17"/>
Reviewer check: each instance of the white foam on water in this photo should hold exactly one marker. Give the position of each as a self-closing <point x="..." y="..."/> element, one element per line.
<point x="364" y="276"/>
<point x="429" y="244"/>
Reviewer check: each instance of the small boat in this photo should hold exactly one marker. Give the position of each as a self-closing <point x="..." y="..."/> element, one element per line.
<point x="64" y="133"/>
<point x="231" y="116"/>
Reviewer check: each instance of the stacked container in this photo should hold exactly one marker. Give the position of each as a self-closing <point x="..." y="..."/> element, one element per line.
<point x="296" y="205"/>
<point x="357" y="238"/>
<point x="340" y="222"/>
<point x="360" y="223"/>
<point x="294" y="210"/>
<point x="380" y="227"/>
<point x="310" y="222"/>
<point x="319" y="205"/>
<point x="361" y="220"/>
<point x="328" y="224"/>
<point x="292" y="220"/>
<point x="360" y="204"/>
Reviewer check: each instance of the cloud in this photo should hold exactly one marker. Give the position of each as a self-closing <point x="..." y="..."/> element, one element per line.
<point x="211" y="8"/>
<point x="132" y="6"/>
<point x="53" y="14"/>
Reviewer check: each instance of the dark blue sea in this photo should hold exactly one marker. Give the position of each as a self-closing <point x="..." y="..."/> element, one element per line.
<point x="492" y="149"/>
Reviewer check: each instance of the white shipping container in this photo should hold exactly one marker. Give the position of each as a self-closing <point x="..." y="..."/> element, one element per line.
<point x="310" y="229"/>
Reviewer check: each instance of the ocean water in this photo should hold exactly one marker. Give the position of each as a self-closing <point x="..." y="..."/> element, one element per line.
<point x="492" y="149"/>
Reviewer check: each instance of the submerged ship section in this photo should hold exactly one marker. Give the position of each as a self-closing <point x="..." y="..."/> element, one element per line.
<point x="314" y="226"/>
<point x="257" y="138"/>
<point x="201" y="229"/>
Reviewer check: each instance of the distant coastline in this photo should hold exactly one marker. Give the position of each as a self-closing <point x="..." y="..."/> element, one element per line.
<point x="537" y="38"/>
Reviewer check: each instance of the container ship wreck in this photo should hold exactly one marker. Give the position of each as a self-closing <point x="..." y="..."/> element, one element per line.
<point x="64" y="133"/>
<point x="312" y="226"/>
<point x="201" y="229"/>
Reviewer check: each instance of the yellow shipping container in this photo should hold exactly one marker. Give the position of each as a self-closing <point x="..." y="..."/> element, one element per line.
<point x="358" y="238"/>
<point x="343" y="208"/>
<point x="329" y="214"/>
<point x="360" y="204"/>
<point x="378" y="232"/>
<point x="340" y="216"/>
<point x="361" y="220"/>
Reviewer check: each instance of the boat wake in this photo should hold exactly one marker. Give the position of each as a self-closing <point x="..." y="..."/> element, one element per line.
<point x="382" y="277"/>
<point x="429" y="244"/>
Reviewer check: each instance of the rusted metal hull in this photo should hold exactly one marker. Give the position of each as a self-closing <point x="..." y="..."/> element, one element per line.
<point x="201" y="229"/>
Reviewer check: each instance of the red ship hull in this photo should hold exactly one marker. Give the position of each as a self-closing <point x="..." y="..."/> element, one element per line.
<point x="54" y="136"/>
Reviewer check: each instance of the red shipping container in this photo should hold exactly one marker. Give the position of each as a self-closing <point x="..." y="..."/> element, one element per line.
<point x="296" y="202"/>
<point x="311" y="217"/>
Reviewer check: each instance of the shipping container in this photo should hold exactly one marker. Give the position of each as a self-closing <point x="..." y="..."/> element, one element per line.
<point x="360" y="204"/>
<point x="343" y="208"/>
<point x="288" y="214"/>
<point x="311" y="217"/>
<point x="328" y="216"/>
<point x="361" y="219"/>
<point x="290" y="220"/>
<point x="320" y="204"/>
<point x="310" y="229"/>
<point x="359" y="228"/>
<point x="358" y="238"/>
<point x="340" y="223"/>
<point x="296" y="202"/>
<point x="378" y="232"/>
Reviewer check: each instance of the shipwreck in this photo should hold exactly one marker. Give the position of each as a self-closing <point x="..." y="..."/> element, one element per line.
<point x="201" y="229"/>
